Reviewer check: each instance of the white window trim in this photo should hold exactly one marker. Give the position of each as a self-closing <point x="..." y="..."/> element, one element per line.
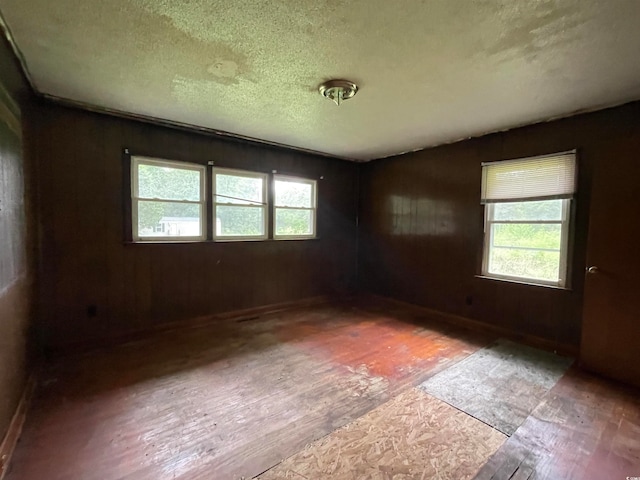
<point x="264" y="205"/>
<point x="563" y="281"/>
<point x="136" y="161"/>
<point x="313" y="209"/>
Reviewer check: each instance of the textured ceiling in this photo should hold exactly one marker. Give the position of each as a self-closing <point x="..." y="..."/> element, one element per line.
<point x="430" y="71"/>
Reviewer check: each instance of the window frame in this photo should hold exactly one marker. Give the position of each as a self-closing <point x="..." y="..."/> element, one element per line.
<point x="563" y="263"/>
<point x="313" y="209"/>
<point x="131" y="200"/>
<point x="136" y="161"/>
<point x="264" y="206"/>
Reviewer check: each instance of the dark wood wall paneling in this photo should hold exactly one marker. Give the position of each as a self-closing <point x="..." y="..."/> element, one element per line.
<point x="421" y="225"/>
<point x="420" y="234"/>
<point x="610" y="319"/>
<point x="16" y="279"/>
<point x="84" y="262"/>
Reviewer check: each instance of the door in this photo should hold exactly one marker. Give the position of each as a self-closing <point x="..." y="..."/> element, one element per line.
<point x="611" y="316"/>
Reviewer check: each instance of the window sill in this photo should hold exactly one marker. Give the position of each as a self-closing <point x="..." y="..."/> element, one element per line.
<point x="186" y="242"/>
<point x="523" y="282"/>
<point x="161" y="242"/>
<point x="280" y="239"/>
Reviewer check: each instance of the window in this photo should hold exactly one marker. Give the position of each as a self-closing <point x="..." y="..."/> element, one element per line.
<point x="239" y="205"/>
<point x="295" y="207"/>
<point x="167" y="200"/>
<point x="527" y="216"/>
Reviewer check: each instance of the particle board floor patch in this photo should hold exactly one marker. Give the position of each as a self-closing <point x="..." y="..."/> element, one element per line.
<point x="413" y="436"/>
<point x="500" y="384"/>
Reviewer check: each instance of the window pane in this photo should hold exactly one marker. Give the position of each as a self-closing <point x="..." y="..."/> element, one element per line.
<point x="532" y="264"/>
<point x="168" y="183"/>
<point x="239" y="190"/>
<point x="293" y="222"/>
<point x="527" y="236"/>
<point x="168" y="219"/>
<point x="544" y="210"/>
<point x="293" y="194"/>
<point x="239" y="221"/>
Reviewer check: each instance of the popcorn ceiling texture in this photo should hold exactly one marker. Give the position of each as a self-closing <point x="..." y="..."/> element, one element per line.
<point x="430" y="71"/>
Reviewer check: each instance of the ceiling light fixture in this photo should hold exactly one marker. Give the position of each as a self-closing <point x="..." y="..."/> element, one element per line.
<point x="338" y="90"/>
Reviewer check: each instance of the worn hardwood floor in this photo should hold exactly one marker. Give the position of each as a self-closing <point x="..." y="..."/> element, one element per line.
<point x="585" y="428"/>
<point x="233" y="399"/>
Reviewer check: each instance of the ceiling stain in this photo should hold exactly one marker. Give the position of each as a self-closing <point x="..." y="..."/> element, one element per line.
<point x="525" y="34"/>
<point x="210" y="56"/>
<point x="223" y="68"/>
<point x="120" y="59"/>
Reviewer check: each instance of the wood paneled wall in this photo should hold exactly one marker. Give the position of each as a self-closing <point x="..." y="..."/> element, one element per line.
<point x="611" y="314"/>
<point x="84" y="262"/>
<point x="419" y="238"/>
<point x="15" y="271"/>
<point x="421" y="225"/>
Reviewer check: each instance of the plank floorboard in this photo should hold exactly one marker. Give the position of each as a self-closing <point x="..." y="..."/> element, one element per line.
<point x="585" y="428"/>
<point x="234" y="398"/>
<point x="228" y="400"/>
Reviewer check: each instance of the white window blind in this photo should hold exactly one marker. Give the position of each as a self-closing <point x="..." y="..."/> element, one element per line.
<point x="536" y="178"/>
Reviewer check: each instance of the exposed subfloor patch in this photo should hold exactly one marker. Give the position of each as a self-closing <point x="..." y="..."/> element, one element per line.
<point x="500" y="384"/>
<point x="413" y="436"/>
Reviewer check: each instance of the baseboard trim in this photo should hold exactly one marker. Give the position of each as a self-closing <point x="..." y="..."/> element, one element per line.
<point x="197" y="322"/>
<point x="476" y="325"/>
<point x="12" y="436"/>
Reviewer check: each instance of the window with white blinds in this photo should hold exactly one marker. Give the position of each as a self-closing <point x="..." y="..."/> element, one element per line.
<point x="527" y="218"/>
<point x="535" y="178"/>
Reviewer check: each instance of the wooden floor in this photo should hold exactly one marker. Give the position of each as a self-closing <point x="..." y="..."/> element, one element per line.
<point x="235" y="399"/>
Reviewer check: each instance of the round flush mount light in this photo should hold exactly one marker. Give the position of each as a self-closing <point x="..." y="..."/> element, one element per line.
<point x="338" y="90"/>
